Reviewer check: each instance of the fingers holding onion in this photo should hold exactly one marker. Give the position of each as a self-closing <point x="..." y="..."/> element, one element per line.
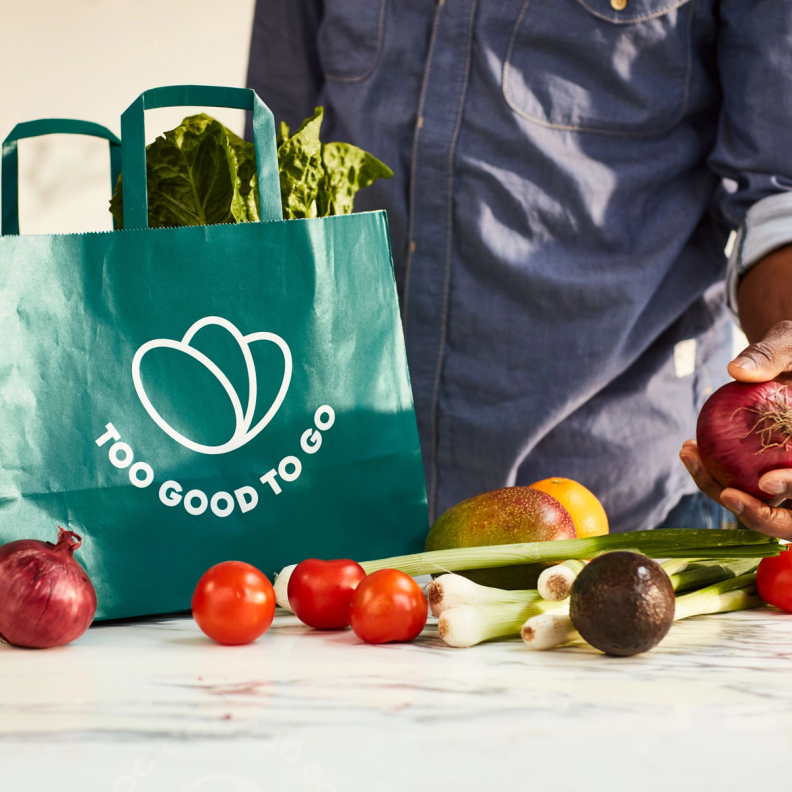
<point x="744" y="432"/>
<point x="766" y="359"/>
<point x="763" y="517"/>
<point x="705" y="481"/>
<point x="742" y="456"/>
<point x="778" y="484"/>
<point x="754" y="514"/>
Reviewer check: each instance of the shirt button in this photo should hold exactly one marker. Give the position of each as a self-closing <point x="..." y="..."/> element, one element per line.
<point x="618" y="5"/>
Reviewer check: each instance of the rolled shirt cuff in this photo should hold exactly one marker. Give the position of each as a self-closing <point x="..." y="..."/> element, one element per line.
<point x="767" y="227"/>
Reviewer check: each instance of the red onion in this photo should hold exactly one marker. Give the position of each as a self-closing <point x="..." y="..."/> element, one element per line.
<point x="46" y="598"/>
<point x="744" y="431"/>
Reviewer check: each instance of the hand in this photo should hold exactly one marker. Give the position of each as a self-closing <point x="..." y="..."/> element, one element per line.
<point x="769" y="359"/>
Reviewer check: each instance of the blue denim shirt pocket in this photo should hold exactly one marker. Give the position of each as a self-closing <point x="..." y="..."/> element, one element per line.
<point x="584" y="66"/>
<point x="350" y="38"/>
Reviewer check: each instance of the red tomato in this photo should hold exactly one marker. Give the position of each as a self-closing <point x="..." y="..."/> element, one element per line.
<point x="774" y="580"/>
<point x="233" y="603"/>
<point x="320" y="591"/>
<point x="388" y="606"/>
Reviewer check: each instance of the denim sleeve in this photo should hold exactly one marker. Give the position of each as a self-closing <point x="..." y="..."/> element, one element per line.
<point x="752" y="151"/>
<point x="284" y="67"/>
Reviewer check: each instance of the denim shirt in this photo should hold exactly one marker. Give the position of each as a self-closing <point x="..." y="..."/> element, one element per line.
<point x="566" y="175"/>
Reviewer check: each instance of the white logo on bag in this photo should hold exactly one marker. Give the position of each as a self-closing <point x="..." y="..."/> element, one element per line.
<point x="243" y="433"/>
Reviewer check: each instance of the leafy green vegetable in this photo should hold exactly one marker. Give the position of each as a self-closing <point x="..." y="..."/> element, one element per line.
<point x="300" y="168"/>
<point x="197" y="174"/>
<point x="347" y="170"/>
<point x="202" y="173"/>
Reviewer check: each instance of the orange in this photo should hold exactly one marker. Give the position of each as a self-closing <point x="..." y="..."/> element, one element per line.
<point x="585" y="510"/>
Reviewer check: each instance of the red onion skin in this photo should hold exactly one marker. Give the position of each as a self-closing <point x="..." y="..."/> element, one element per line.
<point x="728" y="441"/>
<point x="46" y="597"/>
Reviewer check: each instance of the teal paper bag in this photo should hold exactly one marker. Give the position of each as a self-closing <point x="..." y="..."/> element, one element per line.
<point x="185" y="396"/>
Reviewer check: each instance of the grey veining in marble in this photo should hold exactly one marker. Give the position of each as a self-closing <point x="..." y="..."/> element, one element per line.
<point x="156" y="706"/>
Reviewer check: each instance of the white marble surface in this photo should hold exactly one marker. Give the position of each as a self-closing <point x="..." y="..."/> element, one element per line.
<point x="156" y="707"/>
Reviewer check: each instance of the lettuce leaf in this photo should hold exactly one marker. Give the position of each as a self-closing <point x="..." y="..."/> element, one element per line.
<point x="202" y="173"/>
<point x="347" y="169"/>
<point x="246" y="173"/>
<point x="300" y="168"/>
<point x="193" y="177"/>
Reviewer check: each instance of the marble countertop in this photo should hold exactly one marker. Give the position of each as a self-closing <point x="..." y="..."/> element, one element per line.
<point x="155" y="707"/>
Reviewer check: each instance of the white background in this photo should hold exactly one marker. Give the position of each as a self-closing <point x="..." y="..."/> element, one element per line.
<point x="89" y="59"/>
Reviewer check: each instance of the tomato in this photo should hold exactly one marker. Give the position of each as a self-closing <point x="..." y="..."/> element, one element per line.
<point x="388" y="606"/>
<point x="774" y="580"/>
<point x="233" y="603"/>
<point x="320" y="591"/>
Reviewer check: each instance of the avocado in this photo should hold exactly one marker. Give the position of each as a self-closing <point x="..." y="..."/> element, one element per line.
<point x="622" y="603"/>
<point x="503" y="516"/>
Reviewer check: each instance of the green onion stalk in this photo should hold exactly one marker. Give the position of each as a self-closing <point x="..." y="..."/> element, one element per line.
<point x="663" y="543"/>
<point x="470" y="613"/>
<point x="705" y="573"/>
<point x="468" y="625"/>
<point x="738" y="593"/>
<point x="452" y="591"/>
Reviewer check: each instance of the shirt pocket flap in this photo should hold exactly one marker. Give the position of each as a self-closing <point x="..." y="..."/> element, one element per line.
<point x="585" y="66"/>
<point x="621" y="12"/>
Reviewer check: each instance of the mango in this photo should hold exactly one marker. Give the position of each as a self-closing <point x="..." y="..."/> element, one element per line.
<point x="503" y="516"/>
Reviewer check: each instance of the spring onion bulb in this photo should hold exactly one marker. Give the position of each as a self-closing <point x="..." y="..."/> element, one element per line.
<point x="451" y="591"/>
<point x="556" y="582"/>
<point x="468" y="625"/>
<point x="281" y="587"/>
<point x="548" y="630"/>
<point x="663" y="543"/>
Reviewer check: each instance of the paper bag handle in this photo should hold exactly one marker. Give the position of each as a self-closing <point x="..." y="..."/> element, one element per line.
<point x="46" y="126"/>
<point x="133" y="147"/>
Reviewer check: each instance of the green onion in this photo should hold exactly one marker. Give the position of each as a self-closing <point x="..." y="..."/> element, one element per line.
<point x="700" y="575"/>
<point x="726" y="553"/>
<point x="556" y="582"/>
<point x="664" y="543"/>
<point x="728" y="602"/>
<point x="452" y="591"/>
<point x="676" y="565"/>
<point x="469" y="625"/>
<point x="717" y="598"/>
<point x="548" y="630"/>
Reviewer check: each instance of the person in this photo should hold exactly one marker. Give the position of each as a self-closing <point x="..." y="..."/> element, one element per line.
<point x="566" y="178"/>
